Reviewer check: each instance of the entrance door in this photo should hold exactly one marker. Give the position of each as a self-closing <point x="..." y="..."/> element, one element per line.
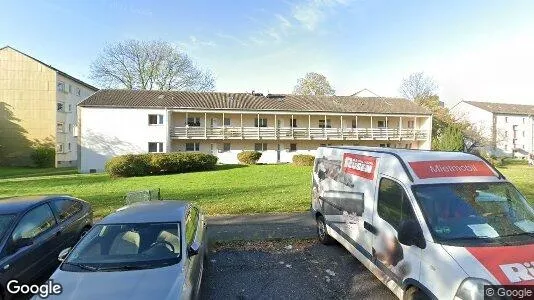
<point x="213" y="149"/>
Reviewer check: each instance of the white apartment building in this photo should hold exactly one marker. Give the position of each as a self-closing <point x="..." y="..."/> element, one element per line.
<point x="510" y="126"/>
<point x="115" y="122"/>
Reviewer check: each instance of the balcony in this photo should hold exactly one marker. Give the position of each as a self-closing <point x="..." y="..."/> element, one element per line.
<point x="298" y="133"/>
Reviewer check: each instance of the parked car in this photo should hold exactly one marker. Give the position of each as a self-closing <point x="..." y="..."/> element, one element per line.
<point x="33" y="231"/>
<point x="147" y="250"/>
<point x="430" y="225"/>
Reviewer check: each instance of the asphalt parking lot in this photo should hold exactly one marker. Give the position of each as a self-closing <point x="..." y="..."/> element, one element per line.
<point x="296" y="269"/>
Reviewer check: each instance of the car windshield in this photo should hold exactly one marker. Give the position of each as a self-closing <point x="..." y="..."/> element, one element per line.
<point x="475" y="211"/>
<point x="127" y="246"/>
<point x="5" y="222"/>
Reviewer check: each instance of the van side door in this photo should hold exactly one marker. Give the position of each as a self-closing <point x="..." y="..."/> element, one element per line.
<point x="393" y="209"/>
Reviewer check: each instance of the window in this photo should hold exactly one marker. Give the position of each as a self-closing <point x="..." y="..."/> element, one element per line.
<point x="193" y="121"/>
<point x="505" y="147"/>
<point x="35" y="222"/>
<point x="411" y="124"/>
<point x="191" y="224"/>
<point x="261" y="122"/>
<point x="388" y="145"/>
<point x="70" y="88"/>
<point x="523" y="147"/>
<point x="78" y="92"/>
<point x="505" y="119"/>
<point x="322" y="123"/>
<point x="382" y="124"/>
<point x="60" y="106"/>
<point x="61" y="86"/>
<point x="353" y="123"/>
<point x="68" y="146"/>
<point x="192" y="147"/>
<point x="70" y="107"/>
<point x="226" y="121"/>
<point x="293" y="122"/>
<point x="260" y="147"/>
<point x="523" y="133"/>
<point x="408" y="146"/>
<point x="155" y="147"/>
<point x="523" y="120"/>
<point x="155" y="119"/>
<point x="59" y="148"/>
<point x="393" y="204"/>
<point x="226" y="147"/>
<point x="59" y="127"/>
<point x="292" y="147"/>
<point x="506" y="133"/>
<point x="66" y="208"/>
<point x="70" y="127"/>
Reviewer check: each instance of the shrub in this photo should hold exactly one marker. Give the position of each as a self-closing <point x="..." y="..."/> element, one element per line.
<point x="159" y="163"/>
<point x="249" y="157"/>
<point x="43" y="156"/>
<point x="303" y="160"/>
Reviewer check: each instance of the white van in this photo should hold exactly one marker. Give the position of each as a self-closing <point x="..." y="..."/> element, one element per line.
<point x="430" y="225"/>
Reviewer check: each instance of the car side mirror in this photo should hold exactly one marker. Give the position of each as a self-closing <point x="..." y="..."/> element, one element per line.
<point x="20" y="243"/>
<point x="410" y="234"/>
<point x="194" y="249"/>
<point x="63" y="254"/>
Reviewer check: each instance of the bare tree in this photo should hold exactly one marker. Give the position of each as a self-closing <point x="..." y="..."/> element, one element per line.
<point x="149" y="65"/>
<point x="418" y="86"/>
<point x="313" y="84"/>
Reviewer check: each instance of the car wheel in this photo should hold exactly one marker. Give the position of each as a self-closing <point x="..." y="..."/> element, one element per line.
<point x="322" y="234"/>
<point x="414" y="293"/>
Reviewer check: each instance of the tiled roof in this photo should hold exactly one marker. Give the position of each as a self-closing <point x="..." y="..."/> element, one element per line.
<point x="504" y="108"/>
<point x="246" y="101"/>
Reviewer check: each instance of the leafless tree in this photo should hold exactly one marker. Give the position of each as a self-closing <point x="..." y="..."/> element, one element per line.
<point x="314" y="84"/>
<point x="149" y="65"/>
<point x="418" y="86"/>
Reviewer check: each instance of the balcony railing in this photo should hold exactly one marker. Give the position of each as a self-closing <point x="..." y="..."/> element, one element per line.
<point x="298" y="133"/>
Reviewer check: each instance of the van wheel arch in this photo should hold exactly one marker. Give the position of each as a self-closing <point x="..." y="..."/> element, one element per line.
<point x="322" y="233"/>
<point x="415" y="291"/>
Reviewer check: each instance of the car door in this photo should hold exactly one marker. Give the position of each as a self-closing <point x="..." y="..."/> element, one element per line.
<point x="32" y="261"/>
<point x="193" y="263"/>
<point x="66" y="211"/>
<point x="395" y="260"/>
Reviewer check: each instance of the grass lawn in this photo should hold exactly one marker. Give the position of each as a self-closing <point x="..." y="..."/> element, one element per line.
<point x="14" y="172"/>
<point x="227" y="190"/>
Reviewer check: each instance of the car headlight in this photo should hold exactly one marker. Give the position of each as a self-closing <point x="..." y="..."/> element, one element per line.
<point x="472" y="289"/>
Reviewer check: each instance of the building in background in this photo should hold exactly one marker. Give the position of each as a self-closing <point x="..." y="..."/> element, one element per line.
<point x="37" y="105"/>
<point x="510" y="127"/>
<point x="115" y="122"/>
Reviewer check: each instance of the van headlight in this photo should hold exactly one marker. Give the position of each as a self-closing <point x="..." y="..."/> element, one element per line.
<point x="472" y="289"/>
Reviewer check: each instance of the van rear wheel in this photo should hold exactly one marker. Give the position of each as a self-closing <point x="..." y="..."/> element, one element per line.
<point x="322" y="234"/>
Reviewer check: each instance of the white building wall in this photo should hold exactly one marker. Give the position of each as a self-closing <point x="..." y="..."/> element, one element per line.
<point x="108" y="132"/>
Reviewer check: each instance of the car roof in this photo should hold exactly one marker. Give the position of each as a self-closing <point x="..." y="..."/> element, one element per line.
<point x="15" y="205"/>
<point x="150" y="211"/>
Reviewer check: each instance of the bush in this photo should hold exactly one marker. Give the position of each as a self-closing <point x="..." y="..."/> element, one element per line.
<point x="249" y="157"/>
<point x="159" y="163"/>
<point x="303" y="160"/>
<point x="44" y="156"/>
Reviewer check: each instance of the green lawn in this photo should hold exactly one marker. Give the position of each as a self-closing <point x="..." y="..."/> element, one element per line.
<point x="14" y="172"/>
<point x="227" y="190"/>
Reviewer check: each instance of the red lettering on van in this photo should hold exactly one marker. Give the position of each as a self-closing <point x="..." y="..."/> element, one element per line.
<point x="450" y="168"/>
<point x="359" y="165"/>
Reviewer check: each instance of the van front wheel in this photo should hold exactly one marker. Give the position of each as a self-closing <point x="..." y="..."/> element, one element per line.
<point x="322" y="234"/>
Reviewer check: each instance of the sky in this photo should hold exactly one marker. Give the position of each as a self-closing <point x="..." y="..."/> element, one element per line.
<point x="475" y="50"/>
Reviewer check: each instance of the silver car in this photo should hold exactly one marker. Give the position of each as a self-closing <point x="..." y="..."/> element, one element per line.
<point x="148" y="250"/>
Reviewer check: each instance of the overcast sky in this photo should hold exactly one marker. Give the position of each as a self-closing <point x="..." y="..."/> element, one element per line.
<point x="475" y="50"/>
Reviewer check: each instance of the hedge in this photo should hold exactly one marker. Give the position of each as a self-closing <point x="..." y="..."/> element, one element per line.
<point x="43" y="156"/>
<point x="159" y="163"/>
<point x="303" y="160"/>
<point x="249" y="157"/>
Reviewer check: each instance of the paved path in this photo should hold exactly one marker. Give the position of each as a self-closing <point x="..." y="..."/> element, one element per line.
<point x="261" y="226"/>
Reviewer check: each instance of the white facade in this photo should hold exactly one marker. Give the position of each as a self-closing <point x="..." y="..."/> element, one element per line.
<point x="511" y="134"/>
<point x="105" y="132"/>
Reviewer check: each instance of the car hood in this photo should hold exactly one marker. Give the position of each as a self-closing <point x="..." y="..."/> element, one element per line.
<point x="498" y="264"/>
<point x="158" y="283"/>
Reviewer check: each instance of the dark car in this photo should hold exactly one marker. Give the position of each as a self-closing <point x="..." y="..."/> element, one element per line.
<point x="33" y="230"/>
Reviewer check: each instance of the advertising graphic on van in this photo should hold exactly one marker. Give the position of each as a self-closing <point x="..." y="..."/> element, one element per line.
<point x="359" y="165"/>
<point x="450" y="168"/>
<point x="509" y="265"/>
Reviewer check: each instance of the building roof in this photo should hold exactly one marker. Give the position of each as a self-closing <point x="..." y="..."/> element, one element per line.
<point x="150" y="211"/>
<point x="58" y="71"/>
<point x="504" y="108"/>
<point x="254" y="102"/>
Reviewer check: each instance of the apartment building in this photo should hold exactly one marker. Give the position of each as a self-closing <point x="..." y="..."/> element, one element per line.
<point x="509" y="126"/>
<point x="37" y="105"/>
<point x="115" y="122"/>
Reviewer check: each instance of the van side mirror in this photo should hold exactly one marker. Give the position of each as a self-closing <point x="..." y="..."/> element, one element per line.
<point x="194" y="249"/>
<point x="410" y="233"/>
<point x="63" y="254"/>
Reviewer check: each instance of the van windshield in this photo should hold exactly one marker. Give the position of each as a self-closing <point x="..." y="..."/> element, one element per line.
<point x="475" y="211"/>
